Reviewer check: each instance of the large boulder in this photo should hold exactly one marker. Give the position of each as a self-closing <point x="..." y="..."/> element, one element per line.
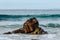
<point x="31" y="26"/>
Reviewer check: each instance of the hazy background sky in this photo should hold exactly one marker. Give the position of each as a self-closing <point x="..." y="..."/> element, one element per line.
<point x="29" y="4"/>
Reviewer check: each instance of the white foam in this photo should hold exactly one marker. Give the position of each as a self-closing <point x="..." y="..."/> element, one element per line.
<point x="11" y="22"/>
<point x="30" y="37"/>
<point x="4" y="38"/>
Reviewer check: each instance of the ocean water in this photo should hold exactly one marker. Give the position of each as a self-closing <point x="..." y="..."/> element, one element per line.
<point x="12" y="20"/>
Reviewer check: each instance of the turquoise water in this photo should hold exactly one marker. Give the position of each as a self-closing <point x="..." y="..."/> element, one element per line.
<point x="48" y="20"/>
<point x="52" y="20"/>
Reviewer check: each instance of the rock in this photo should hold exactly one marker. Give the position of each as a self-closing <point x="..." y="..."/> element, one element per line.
<point x="16" y="31"/>
<point x="31" y="26"/>
<point x="8" y="33"/>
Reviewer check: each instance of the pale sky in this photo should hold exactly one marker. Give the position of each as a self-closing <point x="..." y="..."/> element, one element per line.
<point x="29" y="4"/>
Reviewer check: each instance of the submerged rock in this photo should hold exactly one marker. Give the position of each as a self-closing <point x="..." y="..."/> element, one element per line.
<point x="31" y="26"/>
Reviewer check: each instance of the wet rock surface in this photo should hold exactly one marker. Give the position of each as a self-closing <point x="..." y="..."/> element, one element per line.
<point x="31" y="26"/>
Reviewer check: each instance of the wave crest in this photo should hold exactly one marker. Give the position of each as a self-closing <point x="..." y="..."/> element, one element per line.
<point x="50" y="25"/>
<point x="4" y="17"/>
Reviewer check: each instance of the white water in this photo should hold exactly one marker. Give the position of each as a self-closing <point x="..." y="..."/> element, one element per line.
<point x="30" y="37"/>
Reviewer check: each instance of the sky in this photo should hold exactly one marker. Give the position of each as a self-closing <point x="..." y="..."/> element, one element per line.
<point x="29" y="4"/>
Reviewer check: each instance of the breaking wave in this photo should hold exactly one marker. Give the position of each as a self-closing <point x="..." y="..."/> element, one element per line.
<point x="6" y="17"/>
